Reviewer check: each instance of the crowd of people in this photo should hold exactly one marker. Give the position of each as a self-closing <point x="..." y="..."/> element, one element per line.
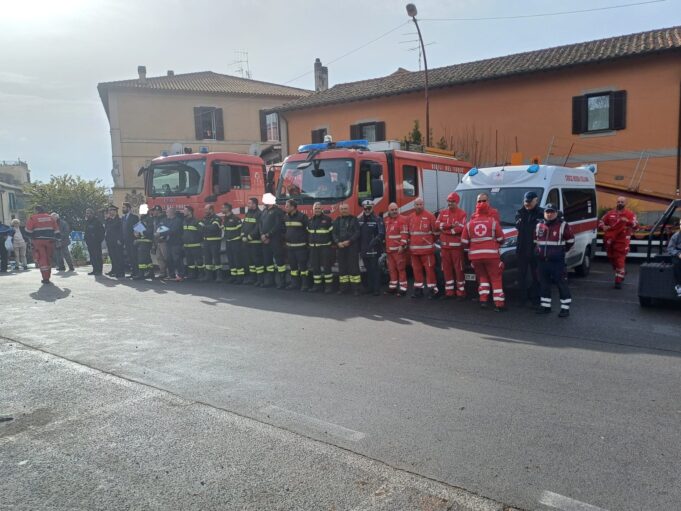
<point x="286" y="249"/>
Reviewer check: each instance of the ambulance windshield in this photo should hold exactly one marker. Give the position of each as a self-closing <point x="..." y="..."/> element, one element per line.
<point x="320" y="180"/>
<point x="506" y="200"/>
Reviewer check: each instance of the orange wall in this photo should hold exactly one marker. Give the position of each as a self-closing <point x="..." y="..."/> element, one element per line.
<point x="535" y="109"/>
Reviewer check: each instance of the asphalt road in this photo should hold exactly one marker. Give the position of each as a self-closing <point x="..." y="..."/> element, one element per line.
<point x="534" y="412"/>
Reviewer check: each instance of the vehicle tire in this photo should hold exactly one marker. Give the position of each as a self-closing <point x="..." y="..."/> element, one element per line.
<point x="645" y="301"/>
<point x="584" y="269"/>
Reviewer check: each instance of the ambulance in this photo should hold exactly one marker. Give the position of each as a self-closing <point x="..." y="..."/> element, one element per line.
<point x="571" y="190"/>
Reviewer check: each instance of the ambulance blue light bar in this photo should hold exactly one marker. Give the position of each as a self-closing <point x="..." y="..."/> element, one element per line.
<point x="473" y="172"/>
<point x="533" y="169"/>
<point x="342" y="144"/>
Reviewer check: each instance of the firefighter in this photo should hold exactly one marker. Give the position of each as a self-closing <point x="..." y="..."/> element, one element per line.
<point x="371" y="238"/>
<point x="451" y="223"/>
<point x="252" y="245"/>
<point x="114" y="242"/>
<point x="553" y="239"/>
<point x="618" y="225"/>
<point x="191" y="242"/>
<point x="396" y="240"/>
<point x="483" y="237"/>
<point x="143" y="241"/>
<point x="232" y="228"/>
<point x="320" y="237"/>
<point x="526" y="223"/>
<point x="422" y="230"/>
<point x="272" y="236"/>
<point x="346" y="238"/>
<point x="212" y="241"/>
<point x="43" y="231"/>
<point x="296" y="246"/>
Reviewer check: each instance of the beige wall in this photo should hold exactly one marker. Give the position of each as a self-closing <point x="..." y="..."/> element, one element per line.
<point x="145" y="123"/>
<point x="536" y="109"/>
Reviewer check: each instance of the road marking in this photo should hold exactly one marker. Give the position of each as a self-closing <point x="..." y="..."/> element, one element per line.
<point x="327" y="428"/>
<point x="557" y="501"/>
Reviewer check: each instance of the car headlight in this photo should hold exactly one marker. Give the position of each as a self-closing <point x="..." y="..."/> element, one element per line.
<point x="510" y="242"/>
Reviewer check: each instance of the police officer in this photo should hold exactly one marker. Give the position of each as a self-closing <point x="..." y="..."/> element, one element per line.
<point x="231" y="225"/>
<point x="191" y="242"/>
<point x="320" y="229"/>
<point x="113" y="235"/>
<point x="272" y="236"/>
<point x="553" y="239"/>
<point x="346" y="238"/>
<point x="252" y="244"/>
<point x="526" y="223"/>
<point x="212" y="240"/>
<point x="296" y="246"/>
<point x="371" y="237"/>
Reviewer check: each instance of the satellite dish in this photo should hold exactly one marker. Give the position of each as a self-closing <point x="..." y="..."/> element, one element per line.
<point x="254" y="149"/>
<point x="176" y="148"/>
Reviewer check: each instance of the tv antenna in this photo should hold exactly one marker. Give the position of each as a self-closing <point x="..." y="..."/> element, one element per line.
<point x="241" y="61"/>
<point x="417" y="47"/>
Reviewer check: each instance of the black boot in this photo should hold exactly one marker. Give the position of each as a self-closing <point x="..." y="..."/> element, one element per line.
<point x="260" y="280"/>
<point x="342" y="288"/>
<point x="218" y="276"/>
<point x="268" y="280"/>
<point x="356" y="291"/>
<point x="294" y="284"/>
<point x="417" y="293"/>
<point x="305" y="283"/>
<point x="281" y="280"/>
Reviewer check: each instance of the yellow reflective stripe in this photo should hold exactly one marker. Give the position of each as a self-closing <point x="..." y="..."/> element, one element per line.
<point x="320" y="244"/>
<point x="144" y="240"/>
<point x="190" y="228"/>
<point x="192" y="245"/>
<point x="294" y="224"/>
<point x="212" y="238"/>
<point x="295" y="244"/>
<point x="319" y="231"/>
<point x="232" y="228"/>
<point x="250" y="220"/>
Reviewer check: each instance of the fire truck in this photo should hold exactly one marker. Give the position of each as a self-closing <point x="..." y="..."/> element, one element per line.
<point x="204" y="178"/>
<point x="353" y="171"/>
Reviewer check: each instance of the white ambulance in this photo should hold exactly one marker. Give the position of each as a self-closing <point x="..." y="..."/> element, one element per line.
<point x="572" y="190"/>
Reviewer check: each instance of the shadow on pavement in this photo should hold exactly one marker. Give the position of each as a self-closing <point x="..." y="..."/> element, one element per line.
<point x="50" y="293"/>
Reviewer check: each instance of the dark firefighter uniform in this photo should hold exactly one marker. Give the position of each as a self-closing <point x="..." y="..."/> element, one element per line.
<point x="252" y="246"/>
<point x="274" y="258"/>
<point x="212" y="240"/>
<point x="320" y="229"/>
<point x="296" y="249"/>
<point x="346" y="228"/>
<point x="143" y="242"/>
<point x="371" y="238"/>
<point x="232" y="227"/>
<point x="191" y="242"/>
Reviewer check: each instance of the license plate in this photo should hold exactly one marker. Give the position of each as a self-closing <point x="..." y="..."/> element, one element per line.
<point x="470" y="276"/>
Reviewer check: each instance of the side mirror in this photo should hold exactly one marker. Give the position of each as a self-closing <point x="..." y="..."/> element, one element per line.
<point x="211" y="198"/>
<point x="376" y="188"/>
<point x="375" y="170"/>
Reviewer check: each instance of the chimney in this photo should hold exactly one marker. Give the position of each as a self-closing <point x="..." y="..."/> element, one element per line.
<point x="142" y="72"/>
<point x="171" y="72"/>
<point x="321" y="76"/>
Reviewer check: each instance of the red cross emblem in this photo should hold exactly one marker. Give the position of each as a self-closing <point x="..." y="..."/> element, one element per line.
<point x="480" y="230"/>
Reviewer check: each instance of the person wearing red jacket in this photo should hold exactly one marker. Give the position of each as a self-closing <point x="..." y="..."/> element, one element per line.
<point x="493" y="212"/>
<point x="396" y="240"/>
<point x="482" y="237"/>
<point x="44" y="231"/>
<point x="422" y="227"/>
<point x="618" y="225"/>
<point x="451" y="223"/>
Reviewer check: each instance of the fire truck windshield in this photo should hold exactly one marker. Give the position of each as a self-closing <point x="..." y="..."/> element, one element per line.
<point x="177" y="178"/>
<point x="506" y="200"/>
<point x="322" y="180"/>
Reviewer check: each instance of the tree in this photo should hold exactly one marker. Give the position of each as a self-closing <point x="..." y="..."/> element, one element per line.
<point x="415" y="137"/>
<point x="69" y="196"/>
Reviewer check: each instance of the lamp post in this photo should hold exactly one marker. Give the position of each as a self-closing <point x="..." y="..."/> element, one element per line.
<point x="411" y="11"/>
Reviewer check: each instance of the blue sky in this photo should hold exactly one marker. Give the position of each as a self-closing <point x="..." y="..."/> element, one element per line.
<point x="55" y="53"/>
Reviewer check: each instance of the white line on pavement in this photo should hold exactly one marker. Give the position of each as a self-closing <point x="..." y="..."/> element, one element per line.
<point x="318" y="425"/>
<point x="563" y="503"/>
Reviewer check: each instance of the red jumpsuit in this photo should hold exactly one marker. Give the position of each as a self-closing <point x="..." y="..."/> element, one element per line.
<point x="451" y="224"/>
<point x="482" y="237"/>
<point x="396" y="236"/>
<point x="422" y="230"/>
<point x="616" y="239"/>
<point x="43" y="230"/>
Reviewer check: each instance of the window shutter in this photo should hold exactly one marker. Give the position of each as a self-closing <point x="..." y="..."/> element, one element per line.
<point x="219" y="125"/>
<point x="318" y="136"/>
<point x="578" y="115"/>
<point x="380" y="131"/>
<point x="197" y="123"/>
<point x="355" y="132"/>
<point x="618" y="110"/>
<point x="263" y="126"/>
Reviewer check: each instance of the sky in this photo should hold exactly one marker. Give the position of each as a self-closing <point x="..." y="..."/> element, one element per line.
<point x="53" y="54"/>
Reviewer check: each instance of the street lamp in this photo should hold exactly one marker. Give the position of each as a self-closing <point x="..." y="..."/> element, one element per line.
<point x="411" y="11"/>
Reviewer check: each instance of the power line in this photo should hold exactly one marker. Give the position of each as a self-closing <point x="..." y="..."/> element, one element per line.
<point x="355" y="50"/>
<point x="546" y="14"/>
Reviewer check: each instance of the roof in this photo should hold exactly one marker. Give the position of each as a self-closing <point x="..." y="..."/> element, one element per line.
<point x="549" y="59"/>
<point x="206" y="82"/>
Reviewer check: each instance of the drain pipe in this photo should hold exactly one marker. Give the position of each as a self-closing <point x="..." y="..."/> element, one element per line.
<point x="678" y="151"/>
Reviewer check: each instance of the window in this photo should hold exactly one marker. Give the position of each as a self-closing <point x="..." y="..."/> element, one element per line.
<point x="553" y="198"/>
<point x="371" y="131"/>
<point x="603" y="111"/>
<point x="230" y="177"/>
<point x="364" y="190"/>
<point x="208" y="123"/>
<point x="12" y="201"/>
<point x="177" y="178"/>
<point x="505" y="200"/>
<point x="579" y="205"/>
<point x="410" y="183"/>
<point x="318" y="135"/>
<point x="272" y="126"/>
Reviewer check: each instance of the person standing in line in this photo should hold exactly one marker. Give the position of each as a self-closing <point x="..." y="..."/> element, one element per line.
<point x="231" y="225"/>
<point x="113" y="235"/>
<point x="128" y="221"/>
<point x="212" y="242"/>
<point x="19" y="241"/>
<point x="252" y="244"/>
<point x="143" y="242"/>
<point x="618" y="225"/>
<point x="346" y="238"/>
<point x="94" y="235"/>
<point x="296" y="238"/>
<point x="175" y="264"/>
<point x="422" y="231"/>
<point x="320" y="231"/>
<point x="61" y="247"/>
<point x="371" y="239"/>
<point x="451" y="224"/>
<point x="396" y="241"/>
<point x="272" y="227"/>
<point x="43" y="231"/>
<point x="5" y="232"/>
<point x="526" y="220"/>
<point x="191" y="242"/>
<point x="160" y="245"/>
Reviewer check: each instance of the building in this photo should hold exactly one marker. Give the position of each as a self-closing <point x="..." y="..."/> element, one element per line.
<point x="13" y="176"/>
<point x="614" y="102"/>
<point x="151" y="116"/>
